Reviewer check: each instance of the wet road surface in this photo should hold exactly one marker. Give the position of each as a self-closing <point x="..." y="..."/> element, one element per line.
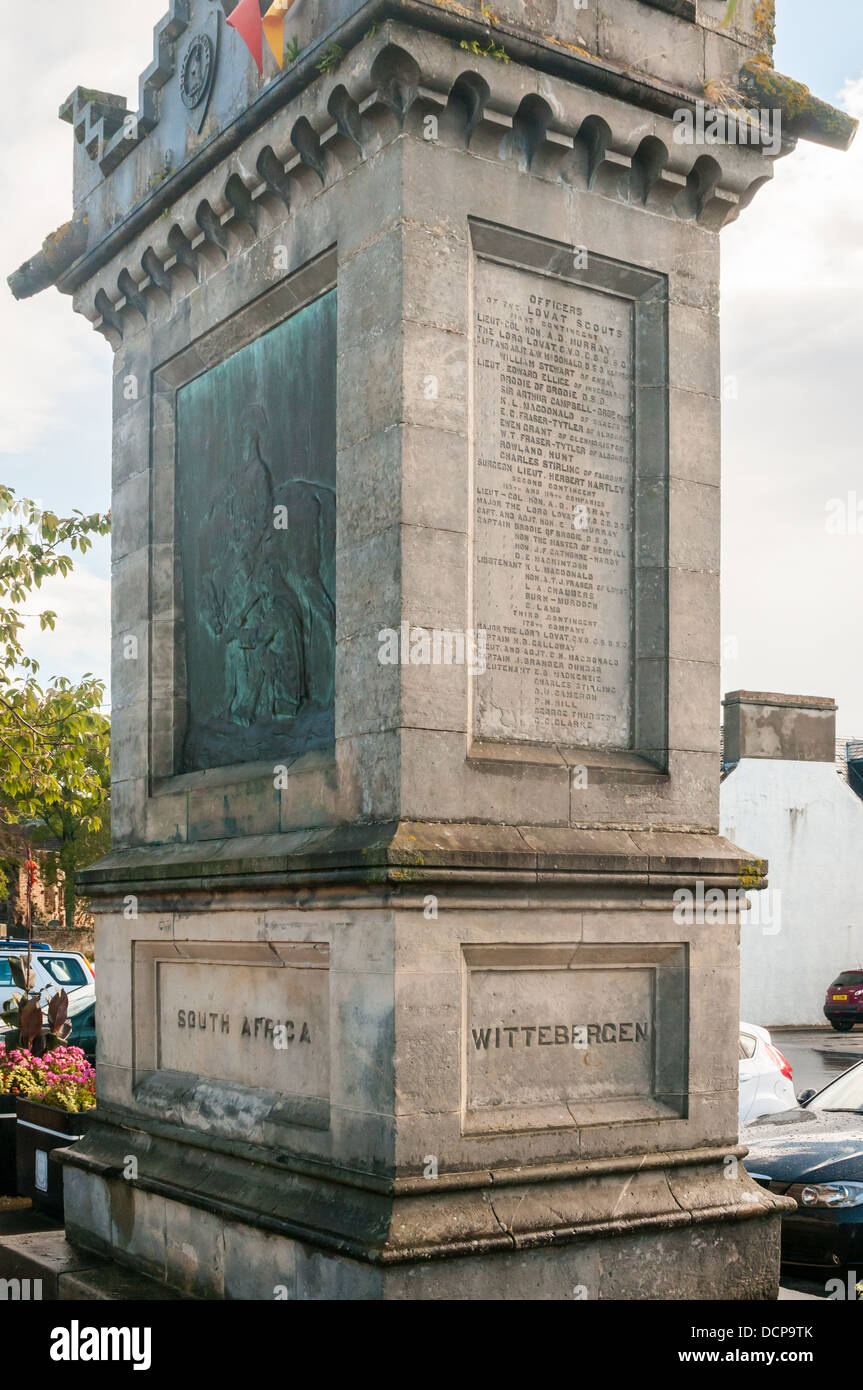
<point x="818" y="1055"/>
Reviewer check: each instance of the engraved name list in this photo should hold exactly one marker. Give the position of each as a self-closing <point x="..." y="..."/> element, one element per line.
<point x="553" y="498"/>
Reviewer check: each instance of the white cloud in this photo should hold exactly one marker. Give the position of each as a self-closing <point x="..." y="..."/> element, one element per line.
<point x="55" y="372"/>
<point x="81" y="639"/>
<point x="53" y="368"/>
<point x="791" y="320"/>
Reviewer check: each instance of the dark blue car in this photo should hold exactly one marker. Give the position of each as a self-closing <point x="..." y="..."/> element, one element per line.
<point x="815" y="1155"/>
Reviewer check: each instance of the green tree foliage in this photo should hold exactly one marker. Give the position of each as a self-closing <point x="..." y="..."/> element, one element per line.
<point x="84" y="834"/>
<point x="44" y="734"/>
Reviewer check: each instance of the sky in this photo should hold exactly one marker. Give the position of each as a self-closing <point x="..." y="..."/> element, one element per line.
<point x="792" y="333"/>
<point x="792" y="322"/>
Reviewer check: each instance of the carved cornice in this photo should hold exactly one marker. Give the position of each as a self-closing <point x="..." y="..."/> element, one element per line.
<point x="547" y="127"/>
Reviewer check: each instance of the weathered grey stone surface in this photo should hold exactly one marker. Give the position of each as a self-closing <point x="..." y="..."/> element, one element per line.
<point x="797" y="728"/>
<point x="164" y="132"/>
<point x="404" y="557"/>
<point x="227" y="1259"/>
<point x="394" y="1169"/>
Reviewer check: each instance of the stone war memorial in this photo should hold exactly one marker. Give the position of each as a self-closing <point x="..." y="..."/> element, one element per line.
<point x="416" y="651"/>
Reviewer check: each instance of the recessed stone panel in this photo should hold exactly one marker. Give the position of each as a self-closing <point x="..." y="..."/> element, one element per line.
<point x="256" y="1015"/>
<point x="564" y="1036"/>
<point x="569" y="467"/>
<point x="553" y="499"/>
<point x="255" y="529"/>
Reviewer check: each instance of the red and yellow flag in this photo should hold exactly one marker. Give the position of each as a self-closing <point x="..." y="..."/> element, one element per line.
<point x="274" y="28"/>
<point x="247" y="19"/>
<point x="256" y="20"/>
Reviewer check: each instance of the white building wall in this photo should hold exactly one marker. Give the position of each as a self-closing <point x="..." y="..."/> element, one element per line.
<point x="808" y="824"/>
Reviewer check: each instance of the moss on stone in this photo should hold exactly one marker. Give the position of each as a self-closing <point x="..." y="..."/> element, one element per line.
<point x="160" y="175"/>
<point x="88" y="94"/>
<point x="802" y="113"/>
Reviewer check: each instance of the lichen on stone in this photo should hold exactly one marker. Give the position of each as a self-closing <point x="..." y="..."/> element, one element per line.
<point x="573" y="47"/>
<point x="54" y="239"/>
<point x="765" y="22"/>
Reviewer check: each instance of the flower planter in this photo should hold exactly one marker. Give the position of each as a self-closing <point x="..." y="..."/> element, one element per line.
<point x="8" y="1167"/>
<point x="39" y="1130"/>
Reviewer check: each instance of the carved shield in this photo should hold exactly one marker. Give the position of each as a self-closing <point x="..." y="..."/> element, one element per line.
<point x="197" y="70"/>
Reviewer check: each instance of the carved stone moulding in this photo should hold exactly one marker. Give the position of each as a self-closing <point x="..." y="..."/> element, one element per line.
<point x="396" y="83"/>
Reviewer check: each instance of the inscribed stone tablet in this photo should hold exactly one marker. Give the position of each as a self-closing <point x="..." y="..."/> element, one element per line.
<point x="265" y="1027"/>
<point x="553" y="503"/>
<point x="546" y="1037"/>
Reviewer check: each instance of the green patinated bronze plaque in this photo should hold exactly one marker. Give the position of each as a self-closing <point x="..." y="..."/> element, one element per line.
<point x="256" y="525"/>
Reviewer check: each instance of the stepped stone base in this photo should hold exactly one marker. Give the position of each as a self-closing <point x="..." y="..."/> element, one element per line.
<point x="682" y="1264"/>
<point x="676" y="1229"/>
<point x="43" y="1266"/>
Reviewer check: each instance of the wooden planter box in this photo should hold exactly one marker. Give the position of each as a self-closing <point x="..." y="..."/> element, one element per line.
<point x="8" y="1143"/>
<point x="41" y="1128"/>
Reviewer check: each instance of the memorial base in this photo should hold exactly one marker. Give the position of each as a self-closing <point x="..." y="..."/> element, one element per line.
<point x="508" y="1078"/>
<point x="670" y="1234"/>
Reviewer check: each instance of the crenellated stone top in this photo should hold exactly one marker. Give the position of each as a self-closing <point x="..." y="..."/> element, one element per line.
<point x="202" y="96"/>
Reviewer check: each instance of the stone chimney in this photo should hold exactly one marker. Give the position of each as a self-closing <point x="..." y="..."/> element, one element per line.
<point x="794" y="728"/>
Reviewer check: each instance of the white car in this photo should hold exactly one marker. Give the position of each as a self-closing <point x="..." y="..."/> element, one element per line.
<point x="54" y="970"/>
<point x="765" y="1082"/>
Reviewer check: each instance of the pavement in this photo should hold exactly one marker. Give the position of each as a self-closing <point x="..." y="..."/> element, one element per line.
<point x="17" y="1218"/>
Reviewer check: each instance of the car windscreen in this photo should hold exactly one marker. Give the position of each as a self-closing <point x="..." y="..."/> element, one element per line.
<point x="848" y="977"/>
<point x="5" y="971"/>
<point x="845" y="1093"/>
<point x="64" y="970"/>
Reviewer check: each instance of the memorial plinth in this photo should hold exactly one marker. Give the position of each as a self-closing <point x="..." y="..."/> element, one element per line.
<point x="416" y="497"/>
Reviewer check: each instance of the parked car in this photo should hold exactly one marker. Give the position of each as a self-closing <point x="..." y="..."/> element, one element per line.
<point x="54" y="970"/>
<point x="82" y="1016"/>
<point x="843" y="1006"/>
<point x="815" y="1155"/>
<point x="765" y="1080"/>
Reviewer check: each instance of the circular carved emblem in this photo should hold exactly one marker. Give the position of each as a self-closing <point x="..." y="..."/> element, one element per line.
<point x="196" y="70"/>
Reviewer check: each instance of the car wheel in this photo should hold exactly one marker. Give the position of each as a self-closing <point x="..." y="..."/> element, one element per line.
<point x="842" y="1025"/>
